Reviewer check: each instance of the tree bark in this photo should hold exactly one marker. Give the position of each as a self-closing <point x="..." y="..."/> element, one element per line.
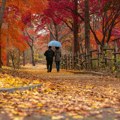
<point x="87" y="27"/>
<point x="56" y="31"/>
<point x="7" y="49"/>
<point x="75" y="29"/>
<point x="31" y="45"/>
<point x="1" y="21"/>
<point x="32" y="55"/>
<point x="18" y="62"/>
<point x="75" y="47"/>
<point x="51" y="34"/>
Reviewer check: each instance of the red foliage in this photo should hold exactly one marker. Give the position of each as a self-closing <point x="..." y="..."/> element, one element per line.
<point x="26" y="17"/>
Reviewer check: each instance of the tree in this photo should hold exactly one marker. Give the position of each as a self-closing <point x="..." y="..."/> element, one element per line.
<point x="87" y="27"/>
<point x="13" y="12"/>
<point x="64" y="12"/>
<point x="1" y="21"/>
<point x="30" y="41"/>
<point x="108" y="16"/>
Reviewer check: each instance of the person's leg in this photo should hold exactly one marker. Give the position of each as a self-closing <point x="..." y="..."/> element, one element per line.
<point x="48" y="66"/>
<point x="57" y="66"/>
<point x="51" y="62"/>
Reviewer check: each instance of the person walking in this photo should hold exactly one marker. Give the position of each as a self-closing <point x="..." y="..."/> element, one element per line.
<point x="49" y="58"/>
<point x="57" y="58"/>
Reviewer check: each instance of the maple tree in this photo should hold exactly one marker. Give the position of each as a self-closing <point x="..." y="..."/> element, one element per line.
<point x="62" y="14"/>
<point x="31" y="36"/>
<point x="108" y="18"/>
<point x="17" y="14"/>
<point x="58" y="13"/>
<point x="100" y="12"/>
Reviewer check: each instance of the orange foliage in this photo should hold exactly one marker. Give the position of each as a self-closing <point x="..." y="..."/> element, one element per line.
<point x="99" y="35"/>
<point x="33" y="5"/>
<point x="12" y="30"/>
<point x="92" y="39"/>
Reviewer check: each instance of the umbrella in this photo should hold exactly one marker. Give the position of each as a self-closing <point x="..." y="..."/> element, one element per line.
<point x="54" y="43"/>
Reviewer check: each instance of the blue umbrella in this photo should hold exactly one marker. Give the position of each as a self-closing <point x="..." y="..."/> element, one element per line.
<point x="54" y="43"/>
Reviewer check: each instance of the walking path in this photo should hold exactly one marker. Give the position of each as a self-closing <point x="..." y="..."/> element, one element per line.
<point x="62" y="96"/>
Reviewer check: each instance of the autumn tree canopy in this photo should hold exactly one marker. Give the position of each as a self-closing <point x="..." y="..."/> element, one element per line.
<point x="65" y="20"/>
<point x="17" y="15"/>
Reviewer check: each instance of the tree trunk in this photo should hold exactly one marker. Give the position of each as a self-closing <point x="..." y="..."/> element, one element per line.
<point x="0" y="49"/>
<point x="75" y="30"/>
<point x="56" y="31"/>
<point x="13" y="60"/>
<point x="75" y="33"/>
<point x="51" y="35"/>
<point x="87" y="27"/>
<point x="7" y="49"/>
<point x="87" y="34"/>
<point x="32" y="55"/>
<point x="1" y="21"/>
<point x="31" y="45"/>
<point x="18" y="62"/>
<point x="8" y="58"/>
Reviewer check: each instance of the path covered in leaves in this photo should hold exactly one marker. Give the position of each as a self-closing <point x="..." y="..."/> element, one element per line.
<point x="62" y="96"/>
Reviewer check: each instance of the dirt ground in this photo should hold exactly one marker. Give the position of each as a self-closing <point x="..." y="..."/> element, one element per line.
<point x="63" y="96"/>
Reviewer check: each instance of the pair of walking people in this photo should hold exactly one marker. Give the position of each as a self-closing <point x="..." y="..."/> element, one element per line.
<point x="50" y="54"/>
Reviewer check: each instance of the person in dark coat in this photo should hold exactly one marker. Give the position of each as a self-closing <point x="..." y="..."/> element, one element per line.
<point x="49" y="58"/>
<point x="57" y="58"/>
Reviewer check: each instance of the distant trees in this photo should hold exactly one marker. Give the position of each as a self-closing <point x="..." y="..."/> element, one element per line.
<point x="11" y="14"/>
<point x="81" y="23"/>
<point x="96" y="19"/>
<point x="107" y="18"/>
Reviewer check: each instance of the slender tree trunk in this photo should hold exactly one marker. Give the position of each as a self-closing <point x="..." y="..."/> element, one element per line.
<point x="7" y="49"/>
<point x="32" y="55"/>
<point x="18" y="62"/>
<point x="13" y="59"/>
<point x="87" y="34"/>
<point x="31" y="45"/>
<point x="75" y="42"/>
<point x="87" y="27"/>
<point x="75" y="30"/>
<point x="51" y="35"/>
<point x="8" y="63"/>
<point x="56" y="31"/>
<point x="1" y="21"/>
<point x="75" y="48"/>
<point x="0" y="49"/>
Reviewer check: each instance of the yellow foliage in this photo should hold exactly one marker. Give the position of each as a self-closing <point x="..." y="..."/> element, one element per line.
<point x="73" y="96"/>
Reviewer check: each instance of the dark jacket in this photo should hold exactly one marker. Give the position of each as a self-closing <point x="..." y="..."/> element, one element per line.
<point x="57" y="55"/>
<point x="49" y="54"/>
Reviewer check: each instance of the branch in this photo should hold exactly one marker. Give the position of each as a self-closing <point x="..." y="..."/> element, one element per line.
<point x="62" y="36"/>
<point x="76" y="13"/>
<point x="51" y="31"/>
<point x="95" y="36"/>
